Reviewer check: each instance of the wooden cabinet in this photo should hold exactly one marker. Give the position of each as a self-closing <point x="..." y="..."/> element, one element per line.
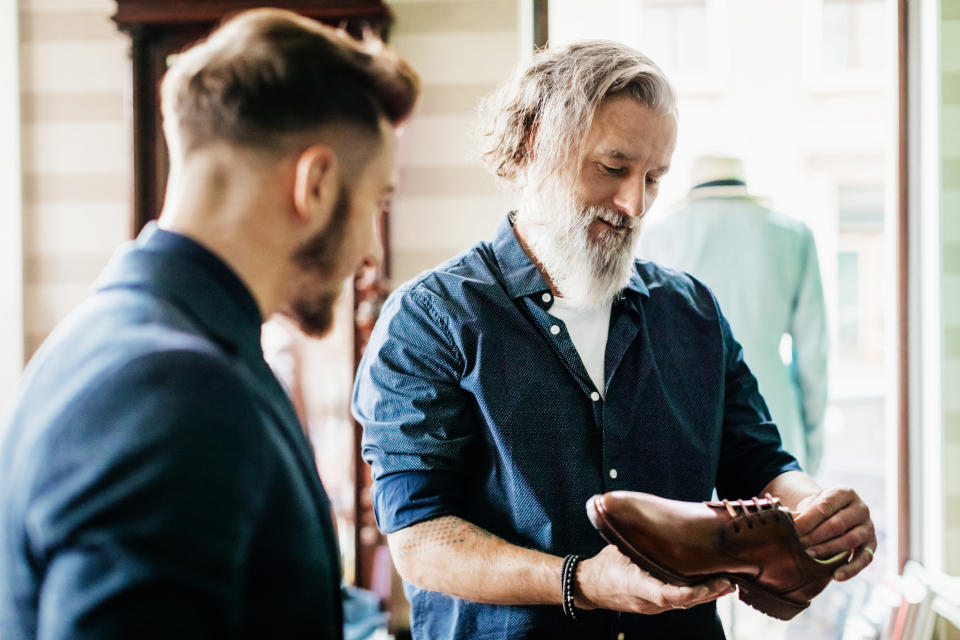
<point x="158" y="30"/>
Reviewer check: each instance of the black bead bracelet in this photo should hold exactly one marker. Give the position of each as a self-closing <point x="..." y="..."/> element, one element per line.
<point x="567" y="574"/>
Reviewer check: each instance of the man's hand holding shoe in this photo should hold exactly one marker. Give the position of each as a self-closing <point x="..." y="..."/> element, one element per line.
<point x="835" y="520"/>
<point x="609" y="580"/>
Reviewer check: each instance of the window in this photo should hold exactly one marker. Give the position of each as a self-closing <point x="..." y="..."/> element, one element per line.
<point x="860" y="296"/>
<point x="675" y="33"/>
<point x="687" y="38"/>
<point x="813" y="149"/>
<point x="846" y="45"/>
<point x="848" y="301"/>
<point x="850" y="34"/>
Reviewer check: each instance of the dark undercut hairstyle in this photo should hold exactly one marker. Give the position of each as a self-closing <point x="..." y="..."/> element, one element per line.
<point x="268" y="76"/>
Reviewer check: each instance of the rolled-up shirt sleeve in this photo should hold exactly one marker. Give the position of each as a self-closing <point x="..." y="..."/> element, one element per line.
<point x="407" y="398"/>
<point x="751" y="453"/>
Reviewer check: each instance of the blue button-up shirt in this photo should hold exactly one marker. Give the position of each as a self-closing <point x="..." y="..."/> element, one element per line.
<point x="474" y="405"/>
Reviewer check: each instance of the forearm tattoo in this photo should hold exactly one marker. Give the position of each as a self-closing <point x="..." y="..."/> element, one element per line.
<point x="446" y="531"/>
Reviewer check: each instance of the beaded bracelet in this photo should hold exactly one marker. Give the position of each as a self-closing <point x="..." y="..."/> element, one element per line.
<point x="567" y="574"/>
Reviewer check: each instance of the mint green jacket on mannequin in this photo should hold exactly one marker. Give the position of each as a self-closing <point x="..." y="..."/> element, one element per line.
<point x="763" y="268"/>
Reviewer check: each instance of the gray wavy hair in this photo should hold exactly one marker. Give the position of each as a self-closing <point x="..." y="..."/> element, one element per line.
<point x="555" y="97"/>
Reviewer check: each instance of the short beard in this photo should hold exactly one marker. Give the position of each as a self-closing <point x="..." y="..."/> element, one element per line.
<point x="586" y="272"/>
<point x="315" y="294"/>
<point x="313" y="314"/>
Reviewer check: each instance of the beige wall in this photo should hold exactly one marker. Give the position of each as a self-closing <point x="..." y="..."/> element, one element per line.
<point x="76" y="153"/>
<point x="11" y="247"/>
<point x="77" y="147"/>
<point x="446" y="202"/>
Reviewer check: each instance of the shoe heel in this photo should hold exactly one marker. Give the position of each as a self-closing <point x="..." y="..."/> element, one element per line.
<point x="769" y="603"/>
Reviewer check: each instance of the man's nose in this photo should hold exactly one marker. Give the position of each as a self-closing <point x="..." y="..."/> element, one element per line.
<point x="631" y="197"/>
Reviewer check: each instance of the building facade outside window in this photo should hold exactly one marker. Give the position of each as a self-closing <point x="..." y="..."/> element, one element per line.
<point x="850" y="29"/>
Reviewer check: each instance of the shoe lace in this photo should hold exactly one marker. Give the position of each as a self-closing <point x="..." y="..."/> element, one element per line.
<point x="761" y="506"/>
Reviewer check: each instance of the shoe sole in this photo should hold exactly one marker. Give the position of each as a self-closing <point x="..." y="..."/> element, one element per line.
<point x="758" y="597"/>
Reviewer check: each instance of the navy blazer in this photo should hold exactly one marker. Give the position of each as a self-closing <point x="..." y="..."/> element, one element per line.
<point x="154" y="478"/>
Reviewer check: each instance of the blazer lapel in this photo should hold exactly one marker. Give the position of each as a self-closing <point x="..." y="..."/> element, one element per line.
<point x="218" y="315"/>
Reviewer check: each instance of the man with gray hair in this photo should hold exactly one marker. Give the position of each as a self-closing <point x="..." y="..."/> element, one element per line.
<point x="504" y="388"/>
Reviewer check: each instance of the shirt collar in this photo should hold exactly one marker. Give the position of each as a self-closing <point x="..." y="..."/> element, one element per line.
<point x="636" y="284"/>
<point x="520" y="274"/>
<point x="177" y="268"/>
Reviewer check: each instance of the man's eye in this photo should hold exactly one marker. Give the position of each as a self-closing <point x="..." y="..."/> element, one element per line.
<point x="614" y="171"/>
<point x="653" y="180"/>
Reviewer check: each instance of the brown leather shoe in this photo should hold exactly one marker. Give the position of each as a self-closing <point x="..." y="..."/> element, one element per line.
<point x="753" y="543"/>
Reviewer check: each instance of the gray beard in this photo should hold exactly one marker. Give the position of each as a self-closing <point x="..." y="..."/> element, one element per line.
<point x="587" y="273"/>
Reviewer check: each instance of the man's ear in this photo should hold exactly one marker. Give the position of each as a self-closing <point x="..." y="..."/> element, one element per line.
<point x="316" y="184"/>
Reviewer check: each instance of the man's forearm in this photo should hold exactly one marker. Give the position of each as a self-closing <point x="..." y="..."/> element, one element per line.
<point x="450" y="555"/>
<point x="792" y="487"/>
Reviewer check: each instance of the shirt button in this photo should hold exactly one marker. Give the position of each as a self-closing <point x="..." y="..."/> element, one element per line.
<point x="594" y="396"/>
<point x="546" y="297"/>
<point x="613" y="473"/>
<point x="555" y="329"/>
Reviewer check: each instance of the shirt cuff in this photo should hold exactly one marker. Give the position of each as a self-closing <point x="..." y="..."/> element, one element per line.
<point x="408" y="497"/>
<point x="776" y="468"/>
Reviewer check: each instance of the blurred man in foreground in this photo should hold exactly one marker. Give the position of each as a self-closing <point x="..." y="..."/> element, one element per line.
<point x="154" y="479"/>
